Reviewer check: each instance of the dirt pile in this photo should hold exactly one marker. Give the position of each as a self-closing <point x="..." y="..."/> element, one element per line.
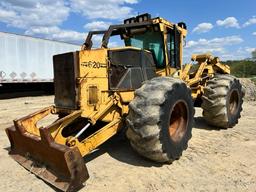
<point x="250" y="89"/>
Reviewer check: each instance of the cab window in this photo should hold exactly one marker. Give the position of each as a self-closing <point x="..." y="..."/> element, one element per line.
<point x="152" y="41"/>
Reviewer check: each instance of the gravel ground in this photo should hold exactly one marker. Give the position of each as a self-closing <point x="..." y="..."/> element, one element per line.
<point x="216" y="160"/>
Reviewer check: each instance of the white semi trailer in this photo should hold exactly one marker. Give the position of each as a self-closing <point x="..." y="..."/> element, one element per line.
<point x="25" y="59"/>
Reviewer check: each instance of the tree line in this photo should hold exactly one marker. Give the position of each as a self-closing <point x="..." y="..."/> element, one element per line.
<point x="242" y="68"/>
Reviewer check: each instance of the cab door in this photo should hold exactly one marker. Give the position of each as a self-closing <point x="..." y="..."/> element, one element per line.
<point x="174" y="49"/>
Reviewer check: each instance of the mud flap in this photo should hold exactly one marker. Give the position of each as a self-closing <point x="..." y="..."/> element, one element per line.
<point x="57" y="164"/>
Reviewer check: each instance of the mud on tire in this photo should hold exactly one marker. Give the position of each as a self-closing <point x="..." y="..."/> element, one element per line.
<point x="160" y="119"/>
<point x="222" y="101"/>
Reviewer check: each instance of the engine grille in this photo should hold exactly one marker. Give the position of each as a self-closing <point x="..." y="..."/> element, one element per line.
<point x="65" y="74"/>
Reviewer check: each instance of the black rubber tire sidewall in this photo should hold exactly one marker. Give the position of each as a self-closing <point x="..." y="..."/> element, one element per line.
<point x="233" y="118"/>
<point x="174" y="149"/>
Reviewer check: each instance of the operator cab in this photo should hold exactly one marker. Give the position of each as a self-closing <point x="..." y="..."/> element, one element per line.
<point x="152" y="47"/>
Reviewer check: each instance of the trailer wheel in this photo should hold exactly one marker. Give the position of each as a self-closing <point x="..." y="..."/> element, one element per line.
<point x="222" y="101"/>
<point x="160" y="119"/>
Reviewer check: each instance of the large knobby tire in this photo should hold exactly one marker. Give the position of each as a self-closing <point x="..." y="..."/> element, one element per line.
<point x="222" y="101"/>
<point x="160" y="119"/>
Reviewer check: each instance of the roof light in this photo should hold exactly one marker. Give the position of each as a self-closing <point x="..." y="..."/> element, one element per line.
<point x="143" y="17"/>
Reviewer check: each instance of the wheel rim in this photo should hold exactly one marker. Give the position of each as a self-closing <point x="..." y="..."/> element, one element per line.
<point x="233" y="102"/>
<point x="178" y="121"/>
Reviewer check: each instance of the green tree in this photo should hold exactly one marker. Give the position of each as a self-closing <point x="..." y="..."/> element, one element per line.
<point x="254" y="54"/>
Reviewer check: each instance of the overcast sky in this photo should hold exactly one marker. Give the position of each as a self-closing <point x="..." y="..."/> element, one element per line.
<point x="226" y="28"/>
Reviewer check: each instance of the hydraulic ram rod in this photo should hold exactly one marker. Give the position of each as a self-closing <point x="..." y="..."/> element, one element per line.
<point x="82" y="130"/>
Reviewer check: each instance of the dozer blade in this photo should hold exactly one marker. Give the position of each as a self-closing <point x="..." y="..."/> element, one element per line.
<point x="57" y="164"/>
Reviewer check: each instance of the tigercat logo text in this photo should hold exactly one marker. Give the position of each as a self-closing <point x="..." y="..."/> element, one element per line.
<point x="93" y="64"/>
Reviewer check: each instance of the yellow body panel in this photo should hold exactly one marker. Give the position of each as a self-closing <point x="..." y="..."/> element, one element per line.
<point x="93" y="73"/>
